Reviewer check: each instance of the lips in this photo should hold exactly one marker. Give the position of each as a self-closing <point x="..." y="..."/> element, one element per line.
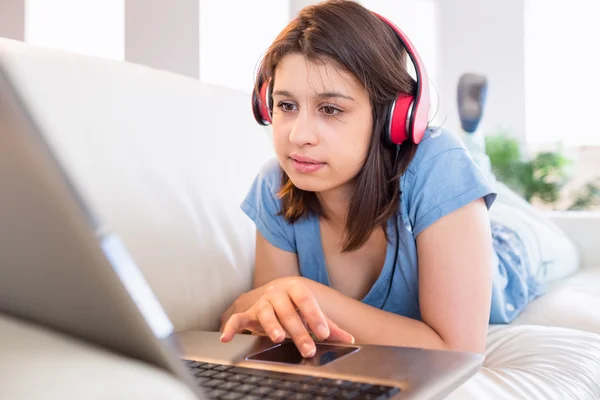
<point x="305" y="164"/>
<point x="304" y="159"/>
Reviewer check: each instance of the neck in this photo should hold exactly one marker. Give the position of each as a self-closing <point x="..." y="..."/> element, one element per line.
<point x="335" y="203"/>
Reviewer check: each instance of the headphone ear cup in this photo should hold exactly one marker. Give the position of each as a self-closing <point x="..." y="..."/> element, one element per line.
<point x="398" y="129"/>
<point x="260" y="105"/>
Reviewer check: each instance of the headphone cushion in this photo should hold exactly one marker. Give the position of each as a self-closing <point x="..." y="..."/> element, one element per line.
<point x="397" y="129"/>
<point x="260" y="106"/>
<point x="264" y="109"/>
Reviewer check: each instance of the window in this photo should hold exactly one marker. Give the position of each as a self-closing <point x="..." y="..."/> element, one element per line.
<point x="562" y="78"/>
<point x="94" y="28"/>
<point x="233" y="37"/>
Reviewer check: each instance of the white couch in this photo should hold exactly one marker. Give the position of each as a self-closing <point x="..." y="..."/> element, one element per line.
<point x="165" y="161"/>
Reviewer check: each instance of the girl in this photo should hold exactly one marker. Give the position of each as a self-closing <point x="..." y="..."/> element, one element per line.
<point x="358" y="238"/>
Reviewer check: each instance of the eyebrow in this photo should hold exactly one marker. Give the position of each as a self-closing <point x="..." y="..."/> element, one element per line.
<point x="323" y="95"/>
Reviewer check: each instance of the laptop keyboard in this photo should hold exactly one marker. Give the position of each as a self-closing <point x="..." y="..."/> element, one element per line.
<point x="232" y="383"/>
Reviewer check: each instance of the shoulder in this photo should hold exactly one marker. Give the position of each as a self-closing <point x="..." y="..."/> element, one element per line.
<point x="269" y="176"/>
<point x="263" y="206"/>
<point x="441" y="177"/>
<point x="436" y="142"/>
<point x="262" y="195"/>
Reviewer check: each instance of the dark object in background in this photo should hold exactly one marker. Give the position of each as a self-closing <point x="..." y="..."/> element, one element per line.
<point x="471" y="98"/>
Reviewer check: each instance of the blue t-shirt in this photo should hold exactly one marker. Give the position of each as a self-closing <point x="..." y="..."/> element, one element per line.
<point x="441" y="178"/>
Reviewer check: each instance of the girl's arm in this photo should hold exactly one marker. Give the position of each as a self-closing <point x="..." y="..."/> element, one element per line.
<point x="272" y="262"/>
<point x="455" y="275"/>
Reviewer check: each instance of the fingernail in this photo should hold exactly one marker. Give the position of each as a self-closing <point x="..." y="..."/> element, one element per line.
<point x="323" y="331"/>
<point x="309" y="350"/>
<point x="222" y="336"/>
<point x="353" y="340"/>
<point x="276" y="334"/>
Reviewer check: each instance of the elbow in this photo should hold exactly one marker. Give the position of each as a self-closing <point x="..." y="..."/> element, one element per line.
<point x="469" y="346"/>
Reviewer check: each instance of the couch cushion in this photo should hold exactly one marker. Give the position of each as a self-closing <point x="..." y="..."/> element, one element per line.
<point x="536" y="362"/>
<point x="572" y="303"/>
<point x="28" y="369"/>
<point x="165" y="161"/>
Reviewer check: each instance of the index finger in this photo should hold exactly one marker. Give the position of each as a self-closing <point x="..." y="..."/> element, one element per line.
<point x="308" y="306"/>
<point x="234" y="325"/>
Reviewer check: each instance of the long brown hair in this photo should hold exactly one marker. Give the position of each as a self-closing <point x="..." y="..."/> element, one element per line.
<point x="354" y="39"/>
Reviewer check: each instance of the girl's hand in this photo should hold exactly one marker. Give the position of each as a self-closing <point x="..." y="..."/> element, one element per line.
<point x="281" y="311"/>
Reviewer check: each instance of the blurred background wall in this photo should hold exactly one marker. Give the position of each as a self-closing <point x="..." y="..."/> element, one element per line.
<point x="537" y="55"/>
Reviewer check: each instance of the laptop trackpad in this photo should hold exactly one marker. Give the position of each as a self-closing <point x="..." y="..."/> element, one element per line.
<point x="287" y="353"/>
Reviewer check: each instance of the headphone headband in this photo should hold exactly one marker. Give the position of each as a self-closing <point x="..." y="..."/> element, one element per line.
<point x="409" y="115"/>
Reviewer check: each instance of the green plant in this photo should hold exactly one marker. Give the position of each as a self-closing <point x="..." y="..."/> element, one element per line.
<point x="541" y="177"/>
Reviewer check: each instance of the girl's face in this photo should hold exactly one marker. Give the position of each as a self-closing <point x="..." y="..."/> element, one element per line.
<point x="322" y="123"/>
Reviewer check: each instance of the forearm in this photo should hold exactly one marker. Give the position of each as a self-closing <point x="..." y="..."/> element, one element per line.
<point x="367" y="324"/>
<point x="371" y="325"/>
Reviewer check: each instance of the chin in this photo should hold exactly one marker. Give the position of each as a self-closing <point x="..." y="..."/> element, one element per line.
<point x="309" y="182"/>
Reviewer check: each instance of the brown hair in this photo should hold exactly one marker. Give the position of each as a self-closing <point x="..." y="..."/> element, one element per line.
<point x="356" y="40"/>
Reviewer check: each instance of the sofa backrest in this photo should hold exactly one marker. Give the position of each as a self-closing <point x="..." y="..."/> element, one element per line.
<point x="163" y="159"/>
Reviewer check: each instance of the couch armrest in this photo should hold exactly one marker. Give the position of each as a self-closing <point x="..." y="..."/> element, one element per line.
<point x="583" y="228"/>
<point x="36" y="363"/>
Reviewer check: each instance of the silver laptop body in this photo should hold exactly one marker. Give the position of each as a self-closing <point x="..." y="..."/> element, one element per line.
<point x="60" y="269"/>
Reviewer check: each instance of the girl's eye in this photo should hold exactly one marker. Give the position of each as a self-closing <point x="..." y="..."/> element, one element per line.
<point x="330" y="110"/>
<point x="285" y="106"/>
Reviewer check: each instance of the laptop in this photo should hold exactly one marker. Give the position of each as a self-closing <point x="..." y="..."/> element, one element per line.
<point x="63" y="270"/>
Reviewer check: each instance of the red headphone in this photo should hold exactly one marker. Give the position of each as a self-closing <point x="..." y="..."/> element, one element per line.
<point x="409" y="115"/>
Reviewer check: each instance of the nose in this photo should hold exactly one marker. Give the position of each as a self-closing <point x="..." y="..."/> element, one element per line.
<point x="303" y="132"/>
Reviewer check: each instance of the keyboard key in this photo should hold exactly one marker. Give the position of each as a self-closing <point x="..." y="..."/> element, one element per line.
<point x="254" y="380"/>
<point x="206" y="373"/>
<point x="307" y="388"/>
<point x="228" y="386"/>
<point x="291" y="386"/>
<point x="237" y="378"/>
<point x="221" y="375"/>
<point x="213" y="383"/>
<point x="244" y="388"/>
<point x="271" y="382"/>
<point x="344" y="394"/>
<point x="323" y="381"/>
<point x="281" y="394"/>
<point x="261" y="391"/>
<point x="232" y="396"/>
<point x="326" y="391"/>
<point x="192" y="364"/>
<point x="201" y="380"/>
<point x="216" y="393"/>
<point x="300" y="396"/>
<point x="341" y="384"/>
<point x="223" y="367"/>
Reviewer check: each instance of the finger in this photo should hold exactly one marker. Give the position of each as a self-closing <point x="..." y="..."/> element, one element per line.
<point x="237" y="323"/>
<point x="338" y="334"/>
<point x="291" y="322"/>
<point x="268" y="320"/>
<point x="310" y="310"/>
<point x="225" y="317"/>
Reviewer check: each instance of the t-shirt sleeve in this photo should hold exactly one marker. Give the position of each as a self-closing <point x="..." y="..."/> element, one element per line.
<point x="262" y="206"/>
<point x="444" y="179"/>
